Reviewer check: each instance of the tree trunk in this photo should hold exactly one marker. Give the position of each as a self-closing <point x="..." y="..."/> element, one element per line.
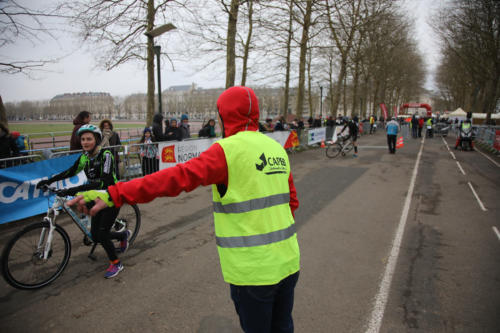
<point x="3" y="114"/>
<point x="338" y="87"/>
<point x="247" y="44"/>
<point x="302" y="63"/>
<point x="150" y="65"/>
<point x="355" y="88"/>
<point x="288" y="61"/>
<point x="309" y="93"/>
<point x="231" y="44"/>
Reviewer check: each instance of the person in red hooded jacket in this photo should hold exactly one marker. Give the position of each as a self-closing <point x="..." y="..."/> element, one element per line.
<point x="262" y="267"/>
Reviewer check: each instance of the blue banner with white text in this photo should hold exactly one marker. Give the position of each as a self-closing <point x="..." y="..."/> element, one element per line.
<point x="19" y="197"/>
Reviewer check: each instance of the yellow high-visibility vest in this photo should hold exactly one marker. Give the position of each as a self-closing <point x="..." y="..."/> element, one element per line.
<point x="254" y="227"/>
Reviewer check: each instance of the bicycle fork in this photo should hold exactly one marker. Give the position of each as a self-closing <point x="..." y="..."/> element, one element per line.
<point x="48" y="240"/>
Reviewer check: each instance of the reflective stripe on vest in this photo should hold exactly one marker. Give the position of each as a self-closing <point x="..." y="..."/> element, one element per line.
<point x="254" y="204"/>
<point x="256" y="240"/>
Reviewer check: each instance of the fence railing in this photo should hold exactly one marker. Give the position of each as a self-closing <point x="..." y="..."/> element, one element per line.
<point x="61" y="139"/>
<point x="19" y="160"/>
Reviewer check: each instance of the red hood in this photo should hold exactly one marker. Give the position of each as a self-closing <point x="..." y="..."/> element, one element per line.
<point x="239" y="110"/>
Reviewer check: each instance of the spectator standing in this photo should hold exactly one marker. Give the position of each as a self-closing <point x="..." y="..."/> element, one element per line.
<point x="254" y="203"/>
<point x="83" y="118"/>
<point x="8" y="147"/>
<point x="172" y="132"/>
<point x="420" y="126"/>
<point x="268" y="126"/>
<point x="149" y="153"/>
<point x="158" y="127"/>
<point x="111" y="139"/>
<point x="414" y="126"/>
<point x="185" y="128"/>
<point x="279" y="124"/>
<point x="372" y="123"/>
<point x="20" y="142"/>
<point x="392" y="129"/>
<point x="208" y="129"/>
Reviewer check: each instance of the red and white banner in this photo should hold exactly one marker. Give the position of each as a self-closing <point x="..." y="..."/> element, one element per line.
<point x="497" y="140"/>
<point x="384" y="110"/>
<point x="174" y="152"/>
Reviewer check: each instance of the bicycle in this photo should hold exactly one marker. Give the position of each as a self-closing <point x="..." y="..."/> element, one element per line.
<point x="343" y="145"/>
<point x="38" y="254"/>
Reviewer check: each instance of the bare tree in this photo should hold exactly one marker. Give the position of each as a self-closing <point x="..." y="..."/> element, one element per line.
<point x="116" y="29"/>
<point x="470" y="32"/>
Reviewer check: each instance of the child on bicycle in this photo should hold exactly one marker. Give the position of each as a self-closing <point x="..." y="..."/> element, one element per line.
<point x="99" y="167"/>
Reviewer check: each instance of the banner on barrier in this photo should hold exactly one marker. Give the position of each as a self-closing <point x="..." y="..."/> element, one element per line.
<point x="174" y="152"/>
<point x="19" y="197"/>
<point x="316" y="135"/>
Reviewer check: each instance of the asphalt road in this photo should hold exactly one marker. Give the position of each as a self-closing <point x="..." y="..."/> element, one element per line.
<point x="445" y="274"/>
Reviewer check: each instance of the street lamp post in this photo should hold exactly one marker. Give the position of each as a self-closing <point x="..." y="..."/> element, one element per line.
<point x="321" y="102"/>
<point x="157" y="49"/>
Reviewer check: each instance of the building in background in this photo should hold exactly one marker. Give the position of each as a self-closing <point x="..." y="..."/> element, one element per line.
<point x="100" y="104"/>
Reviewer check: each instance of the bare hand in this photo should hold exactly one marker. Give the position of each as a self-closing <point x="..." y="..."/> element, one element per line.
<point x="81" y="205"/>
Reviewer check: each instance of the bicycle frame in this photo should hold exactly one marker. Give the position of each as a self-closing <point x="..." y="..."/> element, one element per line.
<point x="52" y="213"/>
<point x="346" y="145"/>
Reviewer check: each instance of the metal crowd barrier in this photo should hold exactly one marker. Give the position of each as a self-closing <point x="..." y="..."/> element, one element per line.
<point x="19" y="160"/>
<point x="60" y="139"/>
<point x="128" y="160"/>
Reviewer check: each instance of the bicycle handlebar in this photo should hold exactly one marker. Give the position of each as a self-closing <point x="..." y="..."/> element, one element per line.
<point x="54" y="190"/>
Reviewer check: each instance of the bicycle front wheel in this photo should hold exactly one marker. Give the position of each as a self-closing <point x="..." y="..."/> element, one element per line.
<point x="128" y="218"/>
<point x="23" y="265"/>
<point x="333" y="150"/>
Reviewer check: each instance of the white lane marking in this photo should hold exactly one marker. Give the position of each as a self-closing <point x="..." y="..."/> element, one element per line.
<point x="492" y="160"/>
<point x="446" y="144"/>
<point x="374" y="147"/>
<point x="477" y="198"/>
<point x="453" y="155"/>
<point x="460" y="167"/>
<point x="496" y="232"/>
<point x="385" y="285"/>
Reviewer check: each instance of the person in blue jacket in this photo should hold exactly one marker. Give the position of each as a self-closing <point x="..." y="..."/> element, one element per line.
<point x="392" y="129"/>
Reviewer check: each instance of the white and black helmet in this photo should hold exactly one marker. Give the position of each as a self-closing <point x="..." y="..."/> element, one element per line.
<point x="90" y="128"/>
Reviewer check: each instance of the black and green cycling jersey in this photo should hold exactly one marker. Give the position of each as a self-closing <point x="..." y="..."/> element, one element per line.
<point x="100" y="171"/>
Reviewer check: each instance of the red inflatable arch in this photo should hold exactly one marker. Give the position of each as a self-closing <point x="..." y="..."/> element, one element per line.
<point x="418" y="105"/>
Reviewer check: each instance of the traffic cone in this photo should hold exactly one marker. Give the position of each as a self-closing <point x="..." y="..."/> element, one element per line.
<point x="399" y="143"/>
<point x="322" y="143"/>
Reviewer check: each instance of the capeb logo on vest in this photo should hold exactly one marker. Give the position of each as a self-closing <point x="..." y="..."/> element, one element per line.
<point x="271" y="165"/>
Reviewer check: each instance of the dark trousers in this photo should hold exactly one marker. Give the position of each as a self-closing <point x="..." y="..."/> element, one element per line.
<point x="419" y="132"/>
<point x="391" y="142"/>
<point x="414" y="131"/>
<point x="101" y="230"/>
<point x="149" y="165"/>
<point x="264" y="309"/>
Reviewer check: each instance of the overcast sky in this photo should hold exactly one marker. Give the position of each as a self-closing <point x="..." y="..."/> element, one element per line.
<point x="76" y="72"/>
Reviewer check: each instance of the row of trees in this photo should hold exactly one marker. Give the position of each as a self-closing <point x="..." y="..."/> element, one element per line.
<point x="469" y="73"/>
<point x="361" y="51"/>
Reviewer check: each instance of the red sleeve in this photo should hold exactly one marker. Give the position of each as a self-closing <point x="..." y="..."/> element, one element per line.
<point x="208" y="168"/>
<point x="294" y="202"/>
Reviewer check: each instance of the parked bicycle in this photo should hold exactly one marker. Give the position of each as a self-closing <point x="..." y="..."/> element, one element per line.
<point x="38" y="254"/>
<point x="343" y="145"/>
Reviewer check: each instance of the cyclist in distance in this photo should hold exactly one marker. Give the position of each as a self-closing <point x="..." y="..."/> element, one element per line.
<point x="352" y="125"/>
<point x="99" y="167"/>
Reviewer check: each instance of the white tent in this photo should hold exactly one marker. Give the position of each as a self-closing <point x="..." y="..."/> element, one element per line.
<point x="458" y="113"/>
